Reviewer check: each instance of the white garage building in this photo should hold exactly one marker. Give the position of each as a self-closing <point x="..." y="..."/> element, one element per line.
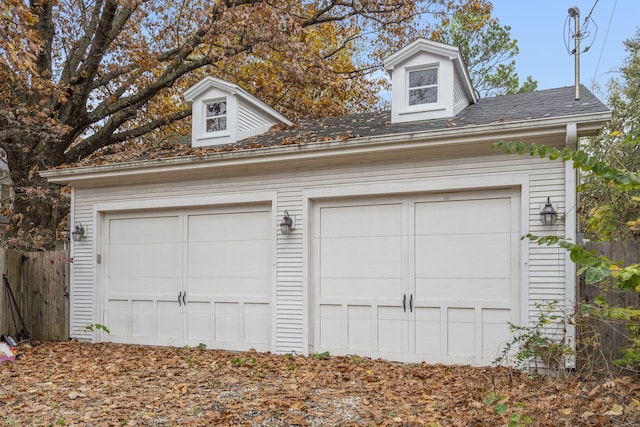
<point x="407" y="225"/>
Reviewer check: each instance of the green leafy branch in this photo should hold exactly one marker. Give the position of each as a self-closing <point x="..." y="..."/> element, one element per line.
<point x="630" y="354"/>
<point x="537" y="342"/>
<point x="594" y="267"/>
<point x="96" y="327"/>
<point x="601" y="309"/>
<point x="623" y="179"/>
<point x="501" y="407"/>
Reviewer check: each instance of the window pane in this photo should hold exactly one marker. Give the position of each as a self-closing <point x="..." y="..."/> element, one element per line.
<point x="423" y="77"/>
<point x="423" y="96"/>
<point x="216" y="124"/>
<point x="216" y="108"/>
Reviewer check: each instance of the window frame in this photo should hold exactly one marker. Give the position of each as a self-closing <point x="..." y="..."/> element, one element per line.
<point x="224" y="116"/>
<point x="433" y="67"/>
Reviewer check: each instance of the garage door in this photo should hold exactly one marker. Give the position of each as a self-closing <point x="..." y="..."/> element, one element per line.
<point x="431" y="277"/>
<point x="185" y="278"/>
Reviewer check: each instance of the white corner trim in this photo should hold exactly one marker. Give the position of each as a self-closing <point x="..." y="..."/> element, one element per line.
<point x="273" y="305"/>
<point x="570" y="226"/>
<point x="306" y="275"/>
<point x="97" y="273"/>
<point x="525" y="274"/>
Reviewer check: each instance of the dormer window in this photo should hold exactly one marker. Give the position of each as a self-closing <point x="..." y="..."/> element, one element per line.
<point x="423" y="86"/>
<point x="429" y="81"/>
<point x="216" y="115"/>
<point x="224" y="113"/>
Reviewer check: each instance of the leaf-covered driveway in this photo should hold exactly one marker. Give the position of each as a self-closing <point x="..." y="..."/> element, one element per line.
<point x="72" y="383"/>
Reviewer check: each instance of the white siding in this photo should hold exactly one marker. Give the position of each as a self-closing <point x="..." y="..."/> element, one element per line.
<point x="289" y="295"/>
<point x="544" y="278"/>
<point x="82" y="289"/>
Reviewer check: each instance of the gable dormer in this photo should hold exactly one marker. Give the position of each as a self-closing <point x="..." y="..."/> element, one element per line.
<point x="224" y="113"/>
<point x="429" y="80"/>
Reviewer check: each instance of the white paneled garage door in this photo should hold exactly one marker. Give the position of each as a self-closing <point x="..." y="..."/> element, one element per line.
<point x="429" y="277"/>
<point x="189" y="277"/>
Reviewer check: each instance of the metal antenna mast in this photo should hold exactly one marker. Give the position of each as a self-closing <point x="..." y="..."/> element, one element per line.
<point x="574" y="12"/>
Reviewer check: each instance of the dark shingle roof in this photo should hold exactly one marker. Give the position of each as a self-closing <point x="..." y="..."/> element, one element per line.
<point x="500" y="109"/>
<point x="551" y="103"/>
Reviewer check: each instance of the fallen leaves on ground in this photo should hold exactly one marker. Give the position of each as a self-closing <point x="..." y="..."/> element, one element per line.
<point x="73" y="383"/>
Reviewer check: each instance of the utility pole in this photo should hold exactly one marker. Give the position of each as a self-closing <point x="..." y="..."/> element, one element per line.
<point x="574" y="12"/>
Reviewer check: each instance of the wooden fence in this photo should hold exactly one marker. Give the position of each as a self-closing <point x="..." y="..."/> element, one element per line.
<point x="39" y="282"/>
<point x="609" y="336"/>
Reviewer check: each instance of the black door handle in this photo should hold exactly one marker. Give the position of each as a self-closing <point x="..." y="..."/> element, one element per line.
<point x="404" y="303"/>
<point x="411" y="303"/>
<point x="179" y="295"/>
<point x="183" y="298"/>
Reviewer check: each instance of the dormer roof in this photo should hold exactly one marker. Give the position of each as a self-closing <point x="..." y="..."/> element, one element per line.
<point x="224" y="113"/>
<point x="429" y="80"/>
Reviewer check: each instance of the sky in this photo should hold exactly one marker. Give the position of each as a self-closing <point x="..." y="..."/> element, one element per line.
<point x="539" y="28"/>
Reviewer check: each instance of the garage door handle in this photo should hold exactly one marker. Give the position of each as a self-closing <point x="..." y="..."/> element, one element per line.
<point x="411" y="303"/>
<point x="183" y="298"/>
<point x="404" y="303"/>
<point x="179" y="295"/>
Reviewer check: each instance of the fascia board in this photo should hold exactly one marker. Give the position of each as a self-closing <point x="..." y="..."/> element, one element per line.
<point x="419" y="45"/>
<point x="103" y="174"/>
<point x="194" y="91"/>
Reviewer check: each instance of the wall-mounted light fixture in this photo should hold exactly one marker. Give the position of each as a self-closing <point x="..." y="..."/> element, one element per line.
<point x="287" y="224"/>
<point x="78" y="232"/>
<point x="548" y="214"/>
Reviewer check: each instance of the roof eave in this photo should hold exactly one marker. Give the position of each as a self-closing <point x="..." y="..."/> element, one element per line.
<point x="587" y="125"/>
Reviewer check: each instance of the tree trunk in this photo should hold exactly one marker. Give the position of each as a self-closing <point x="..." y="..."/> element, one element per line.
<point x="37" y="206"/>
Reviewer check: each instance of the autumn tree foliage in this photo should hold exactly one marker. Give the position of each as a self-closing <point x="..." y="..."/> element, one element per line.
<point x="487" y="48"/>
<point x="77" y="76"/>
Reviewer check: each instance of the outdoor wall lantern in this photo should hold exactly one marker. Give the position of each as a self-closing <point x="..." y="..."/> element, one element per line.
<point x="287" y="223"/>
<point x="548" y="214"/>
<point x="78" y="232"/>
